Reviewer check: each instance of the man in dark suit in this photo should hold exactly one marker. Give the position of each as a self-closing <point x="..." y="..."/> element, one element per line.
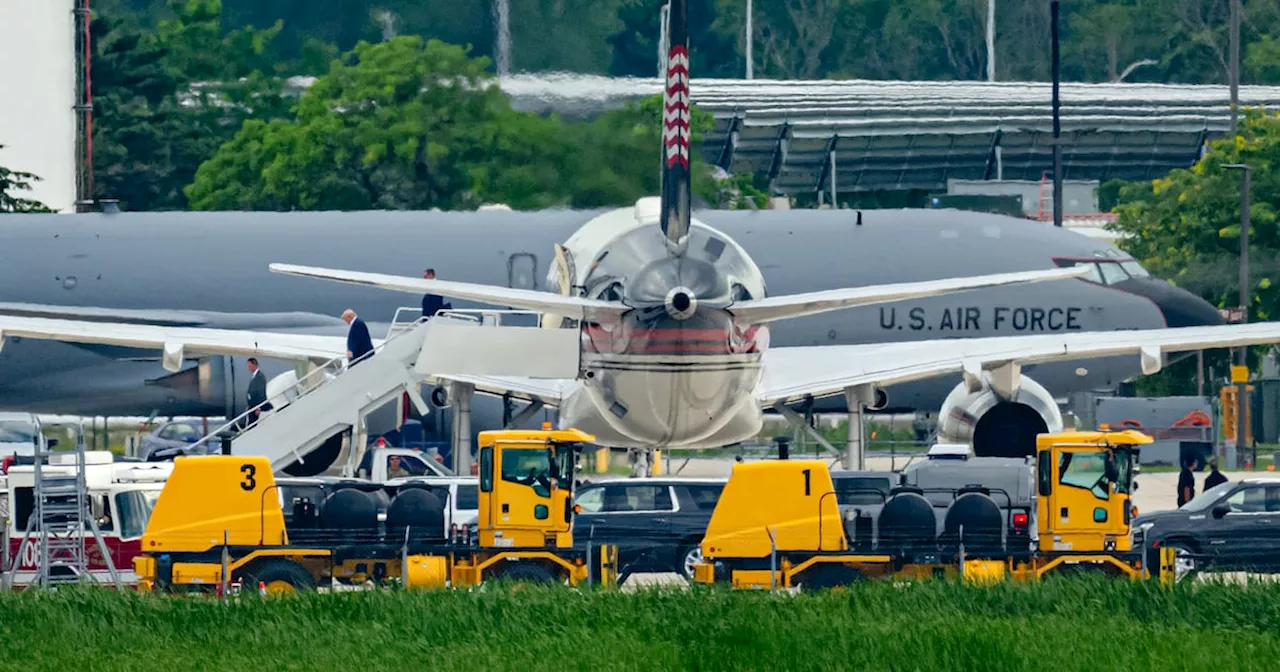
<point x="359" y="343"/>
<point x="432" y="303"/>
<point x="257" y="391"/>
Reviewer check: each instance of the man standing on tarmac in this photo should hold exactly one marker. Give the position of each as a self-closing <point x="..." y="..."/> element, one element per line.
<point x="359" y="343"/>
<point x="1215" y="477"/>
<point x="1187" y="481"/>
<point x="432" y="303"/>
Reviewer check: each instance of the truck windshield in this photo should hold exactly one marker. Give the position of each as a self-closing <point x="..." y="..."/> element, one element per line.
<point x="17" y="431"/>
<point x="1084" y="470"/>
<point x="538" y="467"/>
<point x="134" y="508"/>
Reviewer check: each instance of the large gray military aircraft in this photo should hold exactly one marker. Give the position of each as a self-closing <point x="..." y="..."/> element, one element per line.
<point x="211" y="270"/>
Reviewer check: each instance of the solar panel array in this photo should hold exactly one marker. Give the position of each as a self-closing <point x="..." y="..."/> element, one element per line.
<point x="916" y="135"/>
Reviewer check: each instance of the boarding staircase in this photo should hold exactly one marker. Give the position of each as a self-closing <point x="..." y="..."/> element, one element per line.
<point x="335" y="397"/>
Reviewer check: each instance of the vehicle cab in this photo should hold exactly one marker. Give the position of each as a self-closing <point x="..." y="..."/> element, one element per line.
<point x="1085" y="483"/>
<point x="121" y="497"/>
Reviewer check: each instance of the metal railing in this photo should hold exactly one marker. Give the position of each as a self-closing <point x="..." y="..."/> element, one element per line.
<point x="312" y="381"/>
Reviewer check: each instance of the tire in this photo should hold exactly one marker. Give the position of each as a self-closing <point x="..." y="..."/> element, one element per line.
<point x="830" y="576"/>
<point x="280" y="577"/>
<point x="687" y="557"/>
<point x="526" y="572"/>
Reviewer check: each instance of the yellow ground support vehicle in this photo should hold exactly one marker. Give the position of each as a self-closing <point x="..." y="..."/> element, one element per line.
<point x="223" y="519"/>
<point x="777" y="524"/>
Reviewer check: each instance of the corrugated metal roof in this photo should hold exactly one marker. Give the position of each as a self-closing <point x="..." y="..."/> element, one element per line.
<point x="917" y="135"/>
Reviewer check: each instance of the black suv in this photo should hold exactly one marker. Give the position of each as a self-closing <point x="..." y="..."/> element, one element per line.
<point x="1231" y="527"/>
<point x="657" y="523"/>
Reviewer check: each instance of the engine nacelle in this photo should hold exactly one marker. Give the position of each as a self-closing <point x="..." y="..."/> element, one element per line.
<point x="996" y="423"/>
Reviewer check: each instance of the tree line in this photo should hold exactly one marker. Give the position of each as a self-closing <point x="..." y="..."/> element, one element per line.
<point x="1183" y="40"/>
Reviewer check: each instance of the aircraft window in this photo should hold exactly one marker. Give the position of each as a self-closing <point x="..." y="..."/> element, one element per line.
<point x="741" y="293"/>
<point x="1135" y="269"/>
<point x="1112" y="273"/>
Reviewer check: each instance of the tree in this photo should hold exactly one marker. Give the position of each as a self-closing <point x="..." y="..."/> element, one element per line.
<point x="12" y="181"/>
<point x="1185" y="227"/>
<point x="635" y="45"/>
<point x="405" y="124"/>
<point x="165" y="99"/>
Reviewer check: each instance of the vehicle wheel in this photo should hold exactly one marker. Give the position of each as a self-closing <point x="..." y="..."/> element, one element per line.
<point x="689" y="557"/>
<point x="830" y="576"/>
<point x="281" y="577"/>
<point x="529" y="573"/>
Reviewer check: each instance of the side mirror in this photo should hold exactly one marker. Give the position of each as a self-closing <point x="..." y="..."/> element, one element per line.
<point x="1221" y="510"/>
<point x="1112" y="473"/>
<point x="52" y="443"/>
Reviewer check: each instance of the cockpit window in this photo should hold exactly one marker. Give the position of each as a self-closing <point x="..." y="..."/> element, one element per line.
<point x="1106" y="271"/>
<point x="1112" y="273"/>
<point x="1135" y="269"/>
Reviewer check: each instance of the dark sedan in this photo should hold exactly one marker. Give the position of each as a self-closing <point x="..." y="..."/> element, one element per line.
<point x="657" y="523"/>
<point x="1232" y="527"/>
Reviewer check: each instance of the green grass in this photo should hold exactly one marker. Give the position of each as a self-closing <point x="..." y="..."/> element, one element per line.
<point x="1066" y="624"/>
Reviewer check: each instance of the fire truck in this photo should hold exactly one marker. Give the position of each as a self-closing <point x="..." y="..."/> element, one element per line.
<point x="121" y="497"/>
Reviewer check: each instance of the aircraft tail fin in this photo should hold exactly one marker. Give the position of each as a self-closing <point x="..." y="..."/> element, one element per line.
<point x="811" y="303"/>
<point x="676" y="128"/>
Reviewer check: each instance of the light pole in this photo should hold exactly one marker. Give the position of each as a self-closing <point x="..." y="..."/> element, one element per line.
<point x="750" y="35"/>
<point x="1233" y="68"/>
<point x="1242" y="385"/>
<point x="1057" y="125"/>
<point x="991" y="40"/>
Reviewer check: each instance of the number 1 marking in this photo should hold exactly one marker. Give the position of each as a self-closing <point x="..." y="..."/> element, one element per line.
<point x="806" y="482"/>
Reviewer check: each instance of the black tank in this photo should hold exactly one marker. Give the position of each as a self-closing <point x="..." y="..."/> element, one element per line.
<point x="982" y="522"/>
<point x="907" y="523"/>
<point x="420" y="510"/>
<point x="349" y="509"/>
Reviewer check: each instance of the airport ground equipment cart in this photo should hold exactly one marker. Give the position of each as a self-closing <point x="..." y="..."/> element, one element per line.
<point x="777" y="525"/>
<point x="221" y="520"/>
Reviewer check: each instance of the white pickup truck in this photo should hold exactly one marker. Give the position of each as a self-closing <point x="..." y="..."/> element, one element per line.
<point x="385" y="464"/>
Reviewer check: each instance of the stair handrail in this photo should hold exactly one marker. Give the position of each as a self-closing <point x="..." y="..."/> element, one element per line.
<point x="300" y="385"/>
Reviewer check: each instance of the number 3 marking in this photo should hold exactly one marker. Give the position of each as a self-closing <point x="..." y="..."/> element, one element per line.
<point x="249" y="483"/>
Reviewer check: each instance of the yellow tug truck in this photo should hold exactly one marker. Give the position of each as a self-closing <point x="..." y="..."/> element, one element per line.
<point x="221" y="520"/>
<point x="777" y="524"/>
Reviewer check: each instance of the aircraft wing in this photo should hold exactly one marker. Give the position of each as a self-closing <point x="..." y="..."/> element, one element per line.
<point x="527" y="299"/>
<point x="792" y="374"/>
<point x="772" y="308"/>
<point x="178" y="343"/>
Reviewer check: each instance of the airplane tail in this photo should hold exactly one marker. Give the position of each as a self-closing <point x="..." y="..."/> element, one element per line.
<point x="676" y="129"/>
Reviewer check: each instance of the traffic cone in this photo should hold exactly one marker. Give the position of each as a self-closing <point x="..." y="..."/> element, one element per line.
<point x="262" y="588"/>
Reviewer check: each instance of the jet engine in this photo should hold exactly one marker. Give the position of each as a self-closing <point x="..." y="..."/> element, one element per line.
<point x="998" y="413"/>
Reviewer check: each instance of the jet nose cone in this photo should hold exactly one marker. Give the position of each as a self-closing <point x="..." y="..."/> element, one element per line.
<point x="1180" y="307"/>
